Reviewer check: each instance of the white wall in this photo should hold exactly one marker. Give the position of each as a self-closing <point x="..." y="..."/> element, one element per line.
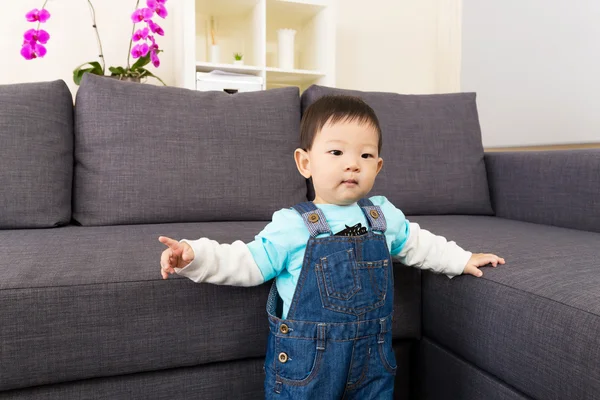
<point x="536" y="68"/>
<point x="387" y="45"/>
<point x="72" y="39"/>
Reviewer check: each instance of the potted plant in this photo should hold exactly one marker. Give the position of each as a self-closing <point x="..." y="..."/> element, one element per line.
<point x="238" y="59"/>
<point x="145" y="50"/>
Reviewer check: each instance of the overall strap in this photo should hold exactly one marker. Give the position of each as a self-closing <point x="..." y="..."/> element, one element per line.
<point x="313" y="217"/>
<point x="374" y="215"/>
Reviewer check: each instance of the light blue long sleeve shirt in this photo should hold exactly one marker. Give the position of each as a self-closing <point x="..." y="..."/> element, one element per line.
<point x="279" y="248"/>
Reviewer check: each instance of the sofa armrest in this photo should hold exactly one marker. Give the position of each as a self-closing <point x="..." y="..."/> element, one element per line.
<point x="560" y="188"/>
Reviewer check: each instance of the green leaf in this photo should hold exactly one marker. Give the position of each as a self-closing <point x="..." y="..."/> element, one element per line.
<point x="78" y="72"/>
<point x="117" y="70"/>
<point x="145" y="72"/>
<point x="141" y="62"/>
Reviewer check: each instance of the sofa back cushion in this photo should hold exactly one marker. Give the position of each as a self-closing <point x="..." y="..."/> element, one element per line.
<point x="432" y="151"/>
<point x="148" y="154"/>
<point x="36" y="154"/>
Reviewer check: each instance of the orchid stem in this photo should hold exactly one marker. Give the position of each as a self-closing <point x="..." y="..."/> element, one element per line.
<point x="43" y="6"/>
<point x="93" y="12"/>
<point x="131" y="40"/>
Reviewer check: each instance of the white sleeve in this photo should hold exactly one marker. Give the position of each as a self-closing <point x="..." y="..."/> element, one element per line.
<point x="221" y="264"/>
<point x="425" y="250"/>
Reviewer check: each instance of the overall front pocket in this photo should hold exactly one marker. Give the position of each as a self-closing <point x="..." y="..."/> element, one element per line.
<point x="340" y="275"/>
<point x="352" y="287"/>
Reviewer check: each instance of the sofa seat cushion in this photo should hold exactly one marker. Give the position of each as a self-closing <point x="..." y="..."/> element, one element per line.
<point x="534" y="322"/>
<point x="83" y="302"/>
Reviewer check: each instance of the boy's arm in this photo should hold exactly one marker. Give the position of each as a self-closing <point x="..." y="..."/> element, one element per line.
<point x="221" y="264"/>
<point x="425" y="250"/>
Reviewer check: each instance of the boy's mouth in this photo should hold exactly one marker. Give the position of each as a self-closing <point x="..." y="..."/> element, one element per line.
<point x="350" y="182"/>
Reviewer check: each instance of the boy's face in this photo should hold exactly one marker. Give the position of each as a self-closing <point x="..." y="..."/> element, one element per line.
<point x="343" y="162"/>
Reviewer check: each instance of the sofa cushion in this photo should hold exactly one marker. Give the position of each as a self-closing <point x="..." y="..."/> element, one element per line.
<point x="90" y="302"/>
<point x="148" y="154"/>
<point x="36" y="154"/>
<point x="532" y="323"/>
<point x="432" y="151"/>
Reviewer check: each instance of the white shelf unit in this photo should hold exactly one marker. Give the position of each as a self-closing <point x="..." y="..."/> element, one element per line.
<point x="250" y="27"/>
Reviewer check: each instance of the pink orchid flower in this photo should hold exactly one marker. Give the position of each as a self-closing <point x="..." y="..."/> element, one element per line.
<point x="141" y="34"/>
<point x="158" y="7"/>
<point x="34" y="35"/>
<point x="140" y="50"/>
<point x="31" y="50"/>
<point x="142" y="14"/>
<point x="155" y="60"/>
<point x="38" y="15"/>
<point x="155" y="28"/>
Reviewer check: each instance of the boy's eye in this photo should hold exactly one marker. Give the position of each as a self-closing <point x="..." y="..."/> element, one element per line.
<point x="367" y="155"/>
<point x="335" y="152"/>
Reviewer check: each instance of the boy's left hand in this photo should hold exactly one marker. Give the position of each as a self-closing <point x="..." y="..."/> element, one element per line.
<point x="480" y="260"/>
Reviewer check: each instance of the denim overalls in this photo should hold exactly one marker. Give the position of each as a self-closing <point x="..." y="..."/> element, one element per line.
<point x="336" y="342"/>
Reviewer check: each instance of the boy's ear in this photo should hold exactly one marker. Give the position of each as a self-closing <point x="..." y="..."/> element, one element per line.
<point x="302" y="162"/>
<point x="379" y="165"/>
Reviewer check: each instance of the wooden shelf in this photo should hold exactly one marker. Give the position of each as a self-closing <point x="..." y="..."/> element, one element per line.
<point x="250" y="27"/>
<point x="237" y="69"/>
<point x="293" y="76"/>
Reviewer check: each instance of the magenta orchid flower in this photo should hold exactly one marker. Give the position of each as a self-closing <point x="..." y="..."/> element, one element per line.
<point x="154" y="58"/>
<point x="141" y="34"/>
<point x="38" y="15"/>
<point x="34" y="35"/>
<point x="155" y="28"/>
<point x="31" y="50"/>
<point x="35" y="38"/>
<point x="140" y="50"/>
<point x="157" y="6"/>
<point x="142" y="14"/>
<point x="145" y="46"/>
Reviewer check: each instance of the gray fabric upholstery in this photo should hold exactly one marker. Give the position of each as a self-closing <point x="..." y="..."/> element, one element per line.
<point x="559" y="188"/>
<point x="240" y="379"/>
<point x="534" y="322"/>
<point x="432" y="151"/>
<point x="147" y="154"/>
<point x="443" y="376"/>
<point x="36" y="155"/>
<point x="89" y="302"/>
<point x="403" y="383"/>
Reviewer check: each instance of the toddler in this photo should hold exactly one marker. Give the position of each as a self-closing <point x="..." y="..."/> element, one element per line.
<point x="330" y="306"/>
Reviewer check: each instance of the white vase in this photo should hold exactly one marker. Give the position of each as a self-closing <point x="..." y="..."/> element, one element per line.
<point x="238" y="62"/>
<point x="214" y="53"/>
<point x="285" y="48"/>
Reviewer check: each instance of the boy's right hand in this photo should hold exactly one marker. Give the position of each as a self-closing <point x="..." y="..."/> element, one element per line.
<point x="178" y="255"/>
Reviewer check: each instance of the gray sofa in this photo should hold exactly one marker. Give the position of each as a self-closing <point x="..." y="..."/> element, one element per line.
<point x="87" y="189"/>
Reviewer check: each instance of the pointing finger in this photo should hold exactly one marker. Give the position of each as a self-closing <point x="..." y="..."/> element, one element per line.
<point x="168" y="241"/>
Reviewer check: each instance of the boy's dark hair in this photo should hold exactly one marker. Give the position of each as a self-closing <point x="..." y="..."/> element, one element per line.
<point x="332" y="109"/>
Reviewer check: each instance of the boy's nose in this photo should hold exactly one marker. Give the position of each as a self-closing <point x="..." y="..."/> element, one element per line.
<point x="352" y="167"/>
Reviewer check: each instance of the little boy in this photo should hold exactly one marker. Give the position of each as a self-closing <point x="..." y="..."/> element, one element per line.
<point x="330" y="307"/>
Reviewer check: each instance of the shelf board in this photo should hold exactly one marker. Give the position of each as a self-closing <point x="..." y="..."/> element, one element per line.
<point x="278" y="75"/>
<point x="237" y="69"/>
<point x="222" y="8"/>
<point x="321" y="3"/>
